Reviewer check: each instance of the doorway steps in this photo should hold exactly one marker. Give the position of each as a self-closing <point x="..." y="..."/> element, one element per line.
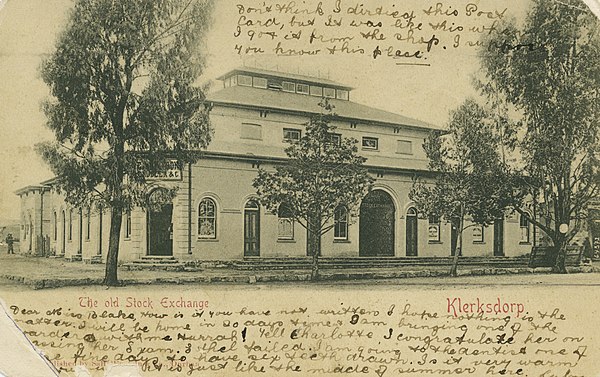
<point x="304" y="263"/>
<point x="74" y="258"/>
<point x="152" y="262"/>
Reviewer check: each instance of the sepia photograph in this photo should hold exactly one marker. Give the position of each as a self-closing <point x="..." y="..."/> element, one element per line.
<point x="297" y="188"/>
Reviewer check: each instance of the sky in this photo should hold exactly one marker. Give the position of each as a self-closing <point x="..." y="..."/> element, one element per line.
<point x="29" y="29"/>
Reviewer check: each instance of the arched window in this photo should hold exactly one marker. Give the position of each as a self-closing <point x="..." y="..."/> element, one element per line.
<point x="70" y="224"/>
<point x="87" y="223"/>
<point x="340" y="220"/>
<point x="433" y="230"/>
<point x="54" y="217"/>
<point x="31" y="230"/>
<point x="285" y="217"/>
<point x="207" y="219"/>
<point x="524" y="225"/>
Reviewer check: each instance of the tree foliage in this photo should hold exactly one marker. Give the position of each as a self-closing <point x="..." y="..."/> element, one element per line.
<point x="547" y="73"/>
<point x="320" y="175"/>
<point x="124" y="101"/>
<point x="470" y="179"/>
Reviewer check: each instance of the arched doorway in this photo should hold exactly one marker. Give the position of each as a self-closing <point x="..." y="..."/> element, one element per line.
<point x="252" y="229"/>
<point x="160" y="223"/>
<point x="412" y="232"/>
<point x="377" y="225"/>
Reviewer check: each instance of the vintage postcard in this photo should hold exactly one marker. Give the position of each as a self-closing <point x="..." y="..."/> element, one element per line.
<point x="295" y="188"/>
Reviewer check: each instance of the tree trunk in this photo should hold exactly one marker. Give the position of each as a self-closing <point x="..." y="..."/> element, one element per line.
<point x="458" y="249"/>
<point x="315" y="252"/>
<point x="561" y="254"/>
<point x="112" y="259"/>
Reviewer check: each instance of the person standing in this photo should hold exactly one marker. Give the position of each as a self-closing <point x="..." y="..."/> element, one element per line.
<point x="10" y="241"/>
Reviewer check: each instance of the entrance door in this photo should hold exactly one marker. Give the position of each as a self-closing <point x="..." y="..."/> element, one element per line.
<point x="377" y="225"/>
<point x="252" y="229"/>
<point x="160" y="226"/>
<point x="499" y="238"/>
<point x="412" y="232"/>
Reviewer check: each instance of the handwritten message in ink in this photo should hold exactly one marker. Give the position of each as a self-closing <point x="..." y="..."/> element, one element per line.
<point x="407" y="33"/>
<point x="182" y="336"/>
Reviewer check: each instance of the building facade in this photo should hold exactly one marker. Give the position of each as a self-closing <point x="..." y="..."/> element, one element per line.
<point x="216" y="215"/>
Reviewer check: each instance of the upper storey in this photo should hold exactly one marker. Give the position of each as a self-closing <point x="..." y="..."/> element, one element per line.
<point x="285" y="82"/>
<point x="259" y="111"/>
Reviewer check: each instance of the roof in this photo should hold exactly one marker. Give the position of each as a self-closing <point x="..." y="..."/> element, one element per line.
<point x="279" y="100"/>
<point x="285" y="75"/>
<point x="30" y="188"/>
<point x="49" y="182"/>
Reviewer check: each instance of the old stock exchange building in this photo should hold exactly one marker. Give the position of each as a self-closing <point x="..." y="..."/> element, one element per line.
<point x="216" y="216"/>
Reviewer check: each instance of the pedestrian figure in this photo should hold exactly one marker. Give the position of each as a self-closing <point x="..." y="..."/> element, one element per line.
<point x="9" y="241"/>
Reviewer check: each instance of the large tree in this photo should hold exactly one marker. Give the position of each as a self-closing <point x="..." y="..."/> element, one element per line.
<point x="323" y="174"/>
<point x="470" y="179"/>
<point x="547" y="72"/>
<point x="124" y="102"/>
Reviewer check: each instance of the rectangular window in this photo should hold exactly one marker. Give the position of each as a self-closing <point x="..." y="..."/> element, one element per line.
<point x="316" y="91"/>
<point x="433" y="230"/>
<point x="289" y="87"/>
<point x="329" y="92"/>
<point x="251" y="131"/>
<point x="259" y="82"/>
<point x="340" y="229"/>
<point x="302" y="89"/>
<point x="335" y="139"/>
<point x="404" y="147"/>
<point x="524" y="225"/>
<point x="478" y="234"/>
<point x="244" y="80"/>
<point x="342" y="94"/>
<point x="234" y="81"/>
<point x="285" y="229"/>
<point x="291" y="134"/>
<point x="370" y="143"/>
<point x="227" y="82"/>
<point x="285" y="223"/>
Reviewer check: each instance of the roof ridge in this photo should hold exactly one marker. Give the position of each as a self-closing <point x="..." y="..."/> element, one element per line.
<point x="290" y="75"/>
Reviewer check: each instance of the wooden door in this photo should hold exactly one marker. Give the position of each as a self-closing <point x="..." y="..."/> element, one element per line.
<point x="499" y="238"/>
<point x="412" y="233"/>
<point x="252" y="229"/>
<point x="160" y="231"/>
<point x="377" y="225"/>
